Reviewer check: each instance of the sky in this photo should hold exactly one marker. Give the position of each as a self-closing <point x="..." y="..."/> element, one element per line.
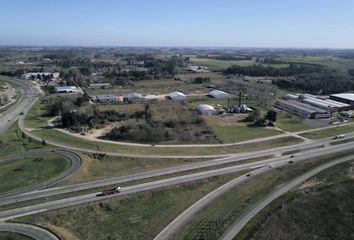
<point x="179" y="23"/>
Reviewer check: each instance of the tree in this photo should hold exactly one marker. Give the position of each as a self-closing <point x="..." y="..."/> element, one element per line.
<point x="271" y="115"/>
<point x="23" y="135"/>
<point x="253" y="116"/>
<point x="44" y="142"/>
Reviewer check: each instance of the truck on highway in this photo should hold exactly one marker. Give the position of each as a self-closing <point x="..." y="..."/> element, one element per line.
<point x="109" y="192"/>
<point x="339" y="136"/>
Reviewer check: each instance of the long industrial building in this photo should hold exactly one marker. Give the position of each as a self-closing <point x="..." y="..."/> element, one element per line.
<point x="329" y="105"/>
<point x="347" y="98"/>
<point x="300" y="109"/>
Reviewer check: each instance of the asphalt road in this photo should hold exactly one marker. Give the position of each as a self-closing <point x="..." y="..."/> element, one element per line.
<point x="177" y="169"/>
<point x="75" y="165"/>
<point x="28" y="96"/>
<point x="237" y="226"/>
<point x="72" y="201"/>
<point x="31" y="231"/>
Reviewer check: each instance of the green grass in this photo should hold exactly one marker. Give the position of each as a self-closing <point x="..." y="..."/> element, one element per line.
<point x="138" y="216"/>
<point x="22" y="173"/>
<point x="213" y="63"/>
<point x="13" y="236"/>
<point x="12" y="142"/>
<point x="230" y="130"/>
<point x="327" y="198"/>
<point x="212" y="221"/>
<point x="328" y="132"/>
<point x="292" y="124"/>
<point x="60" y="137"/>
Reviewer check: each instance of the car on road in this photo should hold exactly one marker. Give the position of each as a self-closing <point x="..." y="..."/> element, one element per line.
<point x="248" y="175"/>
<point x="291" y="156"/>
<point x="21" y="113"/>
<point x="291" y="161"/>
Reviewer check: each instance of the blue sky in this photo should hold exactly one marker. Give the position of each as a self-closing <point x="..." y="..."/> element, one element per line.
<point x="224" y="23"/>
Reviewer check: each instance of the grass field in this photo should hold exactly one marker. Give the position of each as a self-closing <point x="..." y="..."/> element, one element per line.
<point x="293" y="124"/>
<point x="13" y="236"/>
<point x="60" y="137"/>
<point x="328" y="132"/>
<point x="327" y="197"/>
<point x="230" y="130"/>
<point x="22" y="173"/>
<point x="12" y="142"/>
<point x="329" y="61"/>
<point x="223" y="64"/>
<point x="138" y="216"/>
<point x="212" y="221"/>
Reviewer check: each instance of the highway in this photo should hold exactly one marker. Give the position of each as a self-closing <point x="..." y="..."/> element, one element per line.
<point x="237" y="226"/>
<point x="309" y="149"/>
<point x="31" y="231"/>
<point x="28" y="96"/>
<point x="177" y="169"/>
<point x="72" y="201"/>
<point x="74" y="166"/>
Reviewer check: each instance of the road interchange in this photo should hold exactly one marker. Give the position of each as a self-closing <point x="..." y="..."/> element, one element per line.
<point x="30" y="95"/>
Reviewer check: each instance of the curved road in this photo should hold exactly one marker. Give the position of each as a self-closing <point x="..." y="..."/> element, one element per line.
<point x="31" y="231"/>
<point x="75" y="165"/>
<point x="237" y="226"/>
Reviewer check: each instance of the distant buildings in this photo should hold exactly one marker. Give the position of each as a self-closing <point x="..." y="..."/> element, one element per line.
<point x="177" y="96"/>
<point x="66" y="89"/>
<point x="219" y="94"/>
<point x="135" y="98"/>
<point x="100" y="85"/>
<point x="105" y="98"/>
<point x="301" y="109"/>
<point x="310" y="106"/>
<point x="205" y="109"/>
<point x="198" y="69"/>
<point x="35" y="75"/>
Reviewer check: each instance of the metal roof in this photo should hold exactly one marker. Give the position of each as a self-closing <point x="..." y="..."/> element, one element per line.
<point x="347" y="96"/>
<point x="177" y="95"/>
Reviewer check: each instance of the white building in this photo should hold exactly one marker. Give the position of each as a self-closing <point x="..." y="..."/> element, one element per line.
<point x="219" y="94"/>
<point x="135" y="98"/>
<point x="205" y="109"/>
<point x="100" y="85"/>
<point x="42" y="74"/>
<point x="177" y="96"/>
<point x="105" y="98"/>
<point x="66" y="89"/>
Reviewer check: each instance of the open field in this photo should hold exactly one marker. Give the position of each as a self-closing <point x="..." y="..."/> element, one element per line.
<point x="22" y="173"/>
<point x="12" y="142"/>
<point x="137" y="216"/>
<point x="328" y="132"/>
<point x="329" y="61"/>
<point x="223" y="64"/>
<point x="229" y="129"/>
<point x="13" y="236"/>
<point x="63" y="138"/>
<point x="327" y="198"/>
<point x="212" y="221"/>
<point x="292" y="124"/>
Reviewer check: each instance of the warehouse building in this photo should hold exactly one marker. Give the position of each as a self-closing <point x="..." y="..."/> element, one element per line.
<point x="325" y="104"/>
<point x="135" y="98"/>
<point x="219" y="94"/>
<point x="66" y="89"/>
<point x="205" y="109"/>
<point x="100" y="85"/>
<point x="177" y="96"/>
<point x="105" y="98"/>
<point x="347" y="98"/>
<point x="303" y="110"/>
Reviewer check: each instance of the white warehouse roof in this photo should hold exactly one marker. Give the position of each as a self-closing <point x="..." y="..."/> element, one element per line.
<point x="347" y="96"/>
<point x="134" y="95"/>
<point x="219" y="94"/>
<point x="205" y="109"/>
<point x="177" y="96"/>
